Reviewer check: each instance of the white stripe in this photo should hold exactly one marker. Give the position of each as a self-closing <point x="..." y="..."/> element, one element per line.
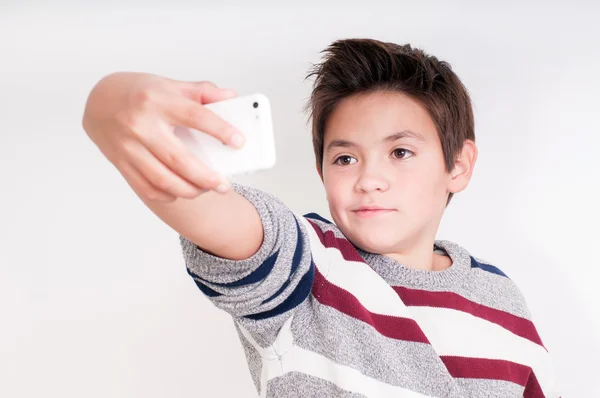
<point x="458" y="333"/>
<point x="272" y="355"/>
<point x="358" y="278"/>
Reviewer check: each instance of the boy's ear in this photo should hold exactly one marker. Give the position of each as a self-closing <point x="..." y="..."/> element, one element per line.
<point x="319" y="171"/>
<point x="463" y="167"/>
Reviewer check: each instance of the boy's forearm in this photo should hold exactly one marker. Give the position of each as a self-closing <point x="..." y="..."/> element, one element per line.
<point x="225" y="225"/>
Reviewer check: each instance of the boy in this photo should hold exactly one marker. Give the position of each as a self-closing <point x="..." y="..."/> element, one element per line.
<point x="368" y="304"/>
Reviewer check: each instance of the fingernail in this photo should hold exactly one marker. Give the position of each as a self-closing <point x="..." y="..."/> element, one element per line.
<point x="229" y="91"/>
<point x="237" y="140"/>
<point x="222" y="188"/>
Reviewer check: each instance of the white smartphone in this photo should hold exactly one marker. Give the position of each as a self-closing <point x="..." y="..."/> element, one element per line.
<point x="251" y="115"/>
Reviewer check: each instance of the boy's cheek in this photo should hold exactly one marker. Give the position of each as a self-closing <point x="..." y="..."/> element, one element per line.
<point x="338" y="194"/>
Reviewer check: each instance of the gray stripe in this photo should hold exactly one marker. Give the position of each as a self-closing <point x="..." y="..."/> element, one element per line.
<point x="353" y="343"/>
<point x="486" y="388"/>
<point x="494" y="291"/>
<point x="300" y="385"/>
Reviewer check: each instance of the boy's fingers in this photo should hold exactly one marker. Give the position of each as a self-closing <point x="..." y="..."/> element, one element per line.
<point x="204" y="92"/>
<point x="184" y="112"/>
<point x="168" y="149"/>
<point x="142" y="187"/>
<point x="166" y="180"/>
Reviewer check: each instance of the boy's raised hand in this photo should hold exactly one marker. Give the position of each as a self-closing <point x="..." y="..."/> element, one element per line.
<point x="131" y="118"/>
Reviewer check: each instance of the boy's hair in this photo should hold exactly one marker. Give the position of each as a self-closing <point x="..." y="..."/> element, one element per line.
<point x="359" y="66"/>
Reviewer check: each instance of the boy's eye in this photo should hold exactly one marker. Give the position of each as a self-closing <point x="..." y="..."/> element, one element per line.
<point x="345" y="160"/>
<point x="402" y="153"/>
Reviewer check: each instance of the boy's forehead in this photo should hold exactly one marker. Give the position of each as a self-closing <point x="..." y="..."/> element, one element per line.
<point x="377" y="116"/>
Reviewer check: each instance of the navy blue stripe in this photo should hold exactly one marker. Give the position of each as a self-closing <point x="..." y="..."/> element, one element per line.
<point x="486" y="267"/>
<point x="315" y="216"/>
<point x="255" y="276"/>
<point x="295" y="263"/>
<point x="206" y="290"/>
<point x="295" y="299"/>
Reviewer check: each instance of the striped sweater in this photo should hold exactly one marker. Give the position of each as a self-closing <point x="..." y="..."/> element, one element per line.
<point x="319" y="317"/>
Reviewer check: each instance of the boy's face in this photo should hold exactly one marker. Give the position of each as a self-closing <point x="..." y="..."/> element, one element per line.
<point x="384" y="172"/>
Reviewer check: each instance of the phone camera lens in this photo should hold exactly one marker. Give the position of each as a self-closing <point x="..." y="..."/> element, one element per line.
<point x="255" y="105"/>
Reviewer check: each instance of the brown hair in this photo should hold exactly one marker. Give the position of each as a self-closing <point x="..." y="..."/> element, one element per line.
<point x="359" y="66"/>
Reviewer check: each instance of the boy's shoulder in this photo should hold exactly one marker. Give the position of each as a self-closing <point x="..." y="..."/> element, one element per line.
<point x="488" y="280"/>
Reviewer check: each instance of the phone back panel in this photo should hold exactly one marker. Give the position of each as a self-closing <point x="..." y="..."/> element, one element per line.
<point x="250" y="114"/>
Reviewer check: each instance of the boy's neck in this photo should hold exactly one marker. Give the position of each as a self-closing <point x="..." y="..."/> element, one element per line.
<point x="423" y="258"/>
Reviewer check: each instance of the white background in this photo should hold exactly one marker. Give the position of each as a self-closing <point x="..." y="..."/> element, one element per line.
<point x="94" y="297"/>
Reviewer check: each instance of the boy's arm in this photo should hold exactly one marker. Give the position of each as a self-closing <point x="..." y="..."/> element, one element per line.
<point x="131" y="117"/>
<point x="268" y="285"/>
<point x="224" y="225"/>
<point x="244" y="249"/>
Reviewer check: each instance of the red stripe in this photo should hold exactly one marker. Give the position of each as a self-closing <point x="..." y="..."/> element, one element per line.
<point x="495" y="369"/>
<point x="423" y="298"/>
<point x="328" y="239"/>
<point x="533" y="388"/>
<point x="390" y="326"/>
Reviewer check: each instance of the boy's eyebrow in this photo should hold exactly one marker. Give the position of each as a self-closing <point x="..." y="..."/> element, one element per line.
<point x="404" y="134"/>
<point x="390" y="138"/>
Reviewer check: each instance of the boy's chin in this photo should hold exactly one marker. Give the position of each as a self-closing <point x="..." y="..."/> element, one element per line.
<point x="378" y="244"/>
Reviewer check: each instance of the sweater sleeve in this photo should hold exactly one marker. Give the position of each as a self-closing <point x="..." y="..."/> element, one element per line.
<point x="272" y="282"/>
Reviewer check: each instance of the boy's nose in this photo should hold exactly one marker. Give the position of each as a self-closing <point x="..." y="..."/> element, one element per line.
<point x="369" y="182"/>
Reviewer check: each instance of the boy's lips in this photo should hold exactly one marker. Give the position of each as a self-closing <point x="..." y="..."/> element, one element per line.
<point x="371" y="210"/>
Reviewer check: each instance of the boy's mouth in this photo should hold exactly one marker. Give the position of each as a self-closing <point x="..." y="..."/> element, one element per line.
<point x="371" y="210"/>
